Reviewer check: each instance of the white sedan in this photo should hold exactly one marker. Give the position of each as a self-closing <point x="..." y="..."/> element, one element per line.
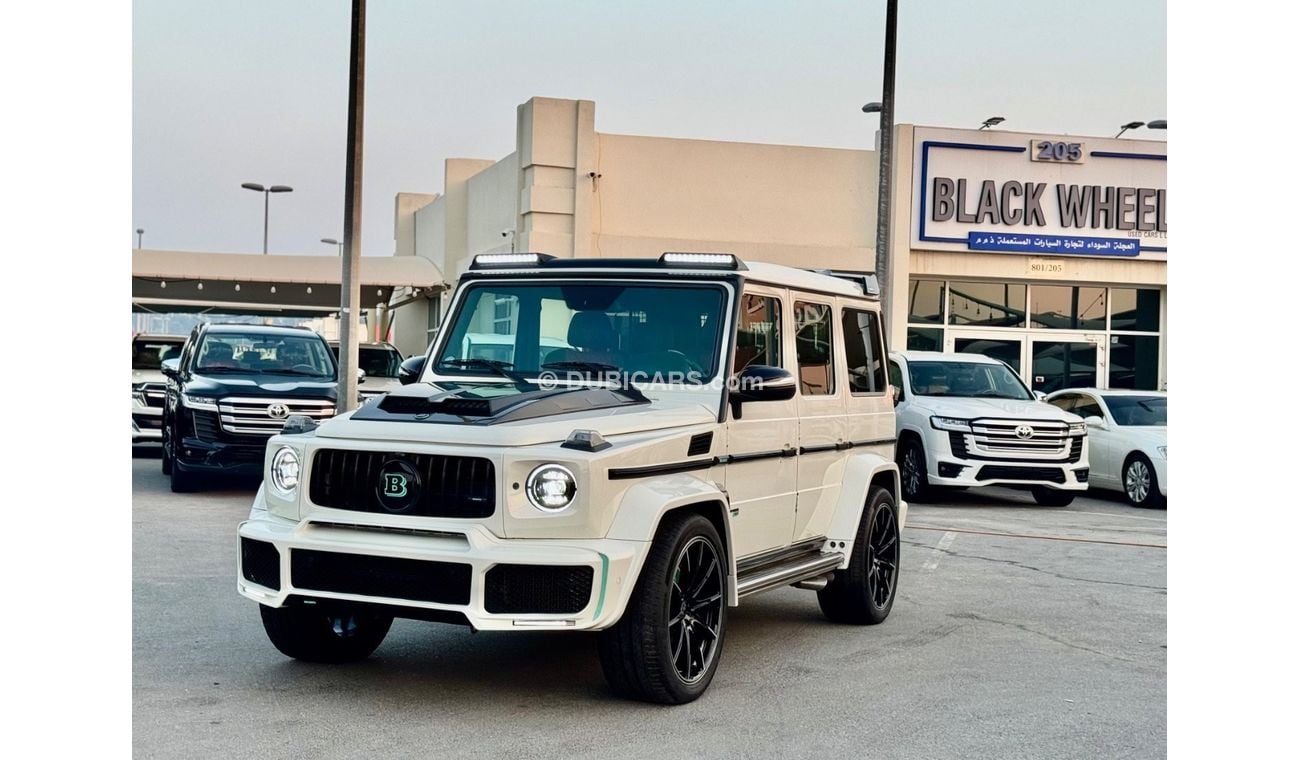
<point x="1127" y="440"/>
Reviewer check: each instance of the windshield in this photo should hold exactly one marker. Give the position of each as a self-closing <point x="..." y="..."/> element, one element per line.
<point x="265" y="354"/>
<point x="1138" y="410"/>
<point x="376" y="361"/>
<point x="651" y="332"/>
<point x="966" y="379"/>
<point x="149" y="354"/>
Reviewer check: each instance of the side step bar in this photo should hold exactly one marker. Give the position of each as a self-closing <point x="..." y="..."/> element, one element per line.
<point x="791" y="571"/>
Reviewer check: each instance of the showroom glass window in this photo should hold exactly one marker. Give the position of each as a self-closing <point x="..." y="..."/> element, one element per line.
<point x="987" y="304"/>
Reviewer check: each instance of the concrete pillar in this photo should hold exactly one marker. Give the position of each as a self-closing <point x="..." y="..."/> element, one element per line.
<point x="556" y="145"/>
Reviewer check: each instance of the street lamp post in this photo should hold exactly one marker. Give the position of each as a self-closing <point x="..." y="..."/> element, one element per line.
<point x="1126" y="127"/>
<point x="886" y="163"/>
<point x="139" y="237"/>
<point x="266" y="204"/>
<point x="332" y="241"/>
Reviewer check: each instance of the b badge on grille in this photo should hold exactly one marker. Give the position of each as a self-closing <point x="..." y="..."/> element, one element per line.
<point x="398" y="489"/>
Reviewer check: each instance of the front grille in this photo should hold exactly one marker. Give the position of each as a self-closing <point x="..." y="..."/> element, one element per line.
<point x="260" y="562"/>
<point x="996" y="439"/>
<point x="389" y="577"/>
<point x="539" y="589"/>
<point x="265" y="416"/>
<point x="206" y="426"/>
<point x="155" y="394"/>
<point x="147" y="422"/>
<point x="449" y="486"/>
<point x="1076" y="449"/>
<point x="1040" y="474"/>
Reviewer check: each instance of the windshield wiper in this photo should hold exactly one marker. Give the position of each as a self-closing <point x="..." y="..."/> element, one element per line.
<point x="286" y="372"/>
<point x="216" y="370"/>
<point x="499" y="367"/>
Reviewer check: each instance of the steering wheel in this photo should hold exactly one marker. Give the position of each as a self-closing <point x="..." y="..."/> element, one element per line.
<point x="690" y="364"/>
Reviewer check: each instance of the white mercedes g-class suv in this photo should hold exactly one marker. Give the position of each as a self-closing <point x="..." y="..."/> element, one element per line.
<point x="968" y="420"/>
<point x="666" y="437"/>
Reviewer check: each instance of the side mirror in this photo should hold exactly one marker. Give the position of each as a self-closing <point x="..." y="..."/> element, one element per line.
<point x="1095" y="422"/>
<point x="1040" y="395"/>
<point x="410" y="370"/>
<point x="896" y="393"/>
<point x="760" y="383"/>
<point x="361" y="375"/>
<point x="171" y="368"/>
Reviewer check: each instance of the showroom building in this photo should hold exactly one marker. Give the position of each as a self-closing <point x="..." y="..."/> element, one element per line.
<point x="1045" y="251"/>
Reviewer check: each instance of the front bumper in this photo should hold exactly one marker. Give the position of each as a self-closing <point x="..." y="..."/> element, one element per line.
<point x="146" y="423"/>
<point x="448" y="568"/>
<point x="234" y="458"/>
<point x="946" y="468"/>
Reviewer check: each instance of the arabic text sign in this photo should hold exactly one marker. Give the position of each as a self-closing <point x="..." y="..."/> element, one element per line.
<point x="1064" y="245"/>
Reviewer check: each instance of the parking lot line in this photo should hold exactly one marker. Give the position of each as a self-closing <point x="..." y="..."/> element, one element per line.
<point x="944" y="542"/>
<point x="950" y="531"/>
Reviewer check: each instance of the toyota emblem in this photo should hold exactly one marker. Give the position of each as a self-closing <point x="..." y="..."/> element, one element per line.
<point x="1024" y="431"/>
<point x="278" y="411"/>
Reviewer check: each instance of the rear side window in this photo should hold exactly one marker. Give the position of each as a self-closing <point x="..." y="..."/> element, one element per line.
<point x="1088" y="408"/>
<point x="813" y="345"/>
<point x="864" y="351"/>
<point x="758" y="341"/>
<point x="1063" y="402"/>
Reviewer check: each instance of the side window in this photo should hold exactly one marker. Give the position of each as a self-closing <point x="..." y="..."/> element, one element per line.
<point x="864" y="351"/>
<point x="1064" y="402"/>
<point x="896" y="379"/>
<point x="812" y="340"/>
<point x="758" y="340"/>
<point x="1088" y="408"/>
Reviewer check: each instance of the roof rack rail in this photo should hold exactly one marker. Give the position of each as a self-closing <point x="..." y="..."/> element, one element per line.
<point x="865" y="280"/>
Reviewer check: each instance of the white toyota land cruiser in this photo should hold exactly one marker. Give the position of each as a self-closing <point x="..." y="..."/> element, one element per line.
<point x="666" y="437"/>
<point x="968" y="420"/>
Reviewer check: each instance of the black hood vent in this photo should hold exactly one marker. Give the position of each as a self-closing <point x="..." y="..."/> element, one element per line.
<point x="701" y="443"/>
<point x="456" y="405"/>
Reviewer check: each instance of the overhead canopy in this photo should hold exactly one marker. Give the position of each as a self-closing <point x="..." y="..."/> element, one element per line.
<point x="234" y="283"/>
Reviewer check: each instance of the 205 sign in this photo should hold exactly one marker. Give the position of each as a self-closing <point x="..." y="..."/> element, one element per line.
<point x="1056" y="151"/>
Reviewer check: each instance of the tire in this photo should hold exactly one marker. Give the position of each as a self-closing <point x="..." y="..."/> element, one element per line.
<point x="646" y="655"/>
<point x="183" y="480"/>
<point x="1140" y="485"/>
<point x="315" y="635"/>
<point x="1052" y="497"/>
<point x="863" y="594"/>
<point x="911" y="471"/>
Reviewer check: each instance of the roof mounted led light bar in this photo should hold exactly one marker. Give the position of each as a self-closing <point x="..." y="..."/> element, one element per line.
<point x="491" y="260"/>
<point x="705" y="260"/>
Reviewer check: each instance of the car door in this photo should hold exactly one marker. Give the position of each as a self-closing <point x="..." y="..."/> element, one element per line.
<point x="1101" y="441"/>
<point x="819" y="363"/>
<point x="762" y="454"/>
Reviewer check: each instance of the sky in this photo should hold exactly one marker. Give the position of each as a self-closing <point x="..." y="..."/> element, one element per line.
<point x="256" y="91"/>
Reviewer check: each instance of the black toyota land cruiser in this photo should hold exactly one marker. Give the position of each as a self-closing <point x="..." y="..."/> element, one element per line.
<point x="232" y="388"/>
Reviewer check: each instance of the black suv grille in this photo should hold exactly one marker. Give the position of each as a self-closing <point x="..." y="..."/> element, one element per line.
<point x="540" y="589"/>
<point x="449" y="486"/>
<point x="391" y="577"/>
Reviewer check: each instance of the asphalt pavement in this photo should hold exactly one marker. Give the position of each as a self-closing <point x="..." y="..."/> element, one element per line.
<point x="1019" y="632"/>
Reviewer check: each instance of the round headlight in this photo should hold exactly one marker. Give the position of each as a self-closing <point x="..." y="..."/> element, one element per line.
<point x="285" y="467"/>
<point x="551" y="487"/>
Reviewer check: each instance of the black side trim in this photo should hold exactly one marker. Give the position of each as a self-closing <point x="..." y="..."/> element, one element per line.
<point x="627" y="473"/>
<point x="822" y="447"/>
<point x="734" y="458"/>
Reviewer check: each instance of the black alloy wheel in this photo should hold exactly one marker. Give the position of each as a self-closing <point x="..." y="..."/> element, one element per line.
<point x="695" y="609"/>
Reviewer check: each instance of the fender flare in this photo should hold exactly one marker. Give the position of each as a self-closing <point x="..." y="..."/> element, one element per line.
<point x="859" y="472"/>
<point x="644" y="505"/>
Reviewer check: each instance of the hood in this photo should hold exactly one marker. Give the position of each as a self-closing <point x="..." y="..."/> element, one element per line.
<point x="147" y="376"/>
<point x="429" y="413"/>
<point x="258" y="384"/>
<point x="974" y="408"/>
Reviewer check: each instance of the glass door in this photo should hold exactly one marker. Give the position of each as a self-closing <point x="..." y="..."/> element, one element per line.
<point x="1009" y="348"/>
<point x="1065" y="361"/>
